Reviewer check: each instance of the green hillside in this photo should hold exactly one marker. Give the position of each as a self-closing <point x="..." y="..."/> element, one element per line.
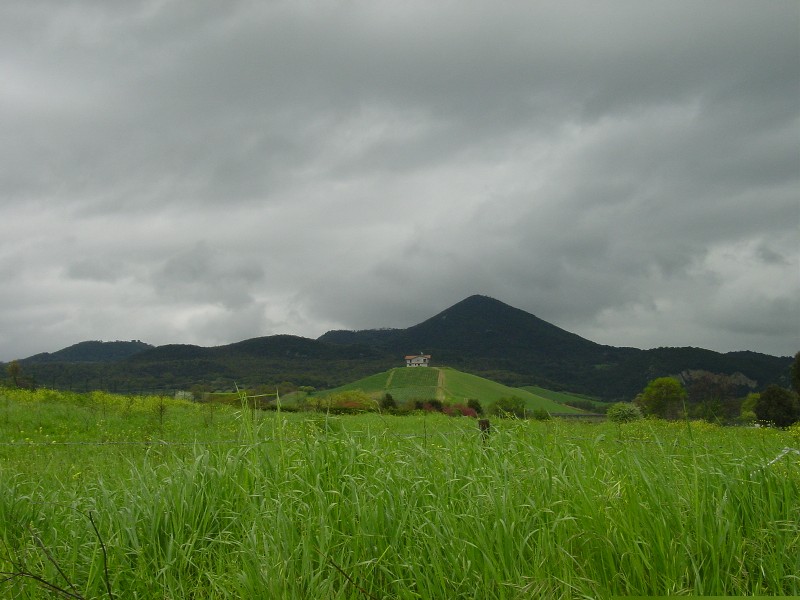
<point x="561" y="397"/>
<point x="447" y="385"/>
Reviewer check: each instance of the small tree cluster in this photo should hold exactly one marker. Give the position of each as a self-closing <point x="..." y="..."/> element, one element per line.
<point x="348" y="402"/>
<point x="433" y="405"/>
<point x="459" y="410"/>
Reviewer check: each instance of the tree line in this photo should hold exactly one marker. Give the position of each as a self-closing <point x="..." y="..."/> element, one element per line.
<point x="710" y="399"/>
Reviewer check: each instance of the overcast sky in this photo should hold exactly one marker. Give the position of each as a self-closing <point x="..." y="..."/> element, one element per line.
<point x="205" y="172"/>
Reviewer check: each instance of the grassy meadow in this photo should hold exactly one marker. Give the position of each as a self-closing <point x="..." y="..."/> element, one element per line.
<point x="105" y="496"/>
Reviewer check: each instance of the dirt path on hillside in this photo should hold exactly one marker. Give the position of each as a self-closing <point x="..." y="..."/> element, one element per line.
<point x="388" y="383"/>
<point x="440" y="386"/>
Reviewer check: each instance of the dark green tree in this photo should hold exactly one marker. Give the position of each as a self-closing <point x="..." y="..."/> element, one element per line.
<point x="778" y="406"/>
<point x="794" y="370"/>
<point x="663" y="397"/>
<point x="14" y="372"/>
<point x="388" y="402"/>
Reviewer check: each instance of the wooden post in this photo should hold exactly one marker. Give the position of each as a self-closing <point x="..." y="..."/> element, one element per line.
<point x="485" y="427"/>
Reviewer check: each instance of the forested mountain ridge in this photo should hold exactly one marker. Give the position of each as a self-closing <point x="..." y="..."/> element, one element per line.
<point x="91" y="352"/>
<point x="480" y="335"/>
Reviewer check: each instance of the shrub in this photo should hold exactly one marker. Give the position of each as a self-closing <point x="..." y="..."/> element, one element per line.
<point x="404" y="409"/>
<point x="435" y="405"/>
<point x="541" y="414"/>
<point x="459" y="410"/>
<point x="623" y="412"/>
<point x="512" y="406"/>
<point x="349" y="402"/>
<point x="431" y="405"/>
<point x="475" y="405"/>
<point x="388" y="402"/>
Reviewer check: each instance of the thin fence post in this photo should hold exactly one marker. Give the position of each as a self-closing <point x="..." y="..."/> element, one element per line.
<point x="485" y="428"/>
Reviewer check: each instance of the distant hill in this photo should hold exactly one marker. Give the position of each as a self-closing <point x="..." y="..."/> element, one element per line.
<point x="258" y="361"/>
<point x="90" y="352"/>
<point x="446" y="384"/>
<point x="479" y="335"/>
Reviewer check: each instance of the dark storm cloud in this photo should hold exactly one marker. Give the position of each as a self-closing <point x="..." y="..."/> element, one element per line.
<point x="214" y="171"/>
<point x="203" y="274"/>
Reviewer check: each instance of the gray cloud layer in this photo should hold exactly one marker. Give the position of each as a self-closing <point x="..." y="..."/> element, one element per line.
<point x="202" y="172"/>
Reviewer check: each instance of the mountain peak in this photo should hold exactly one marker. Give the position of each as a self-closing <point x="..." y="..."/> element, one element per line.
<point x="478" y="303"/>
<point x="488" y="326"/>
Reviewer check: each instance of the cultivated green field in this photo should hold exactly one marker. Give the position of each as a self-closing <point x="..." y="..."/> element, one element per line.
<point x="201" y="502"/>
<point x="448" y="385"/>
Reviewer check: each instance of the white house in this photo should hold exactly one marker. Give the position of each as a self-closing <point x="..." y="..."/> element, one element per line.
<point x="418" y="360"/>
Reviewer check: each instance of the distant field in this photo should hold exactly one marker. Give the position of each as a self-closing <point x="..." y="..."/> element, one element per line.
<point x="218" y="503"/>
<point x="423" y="383"/>
<point x="560" y="397"/>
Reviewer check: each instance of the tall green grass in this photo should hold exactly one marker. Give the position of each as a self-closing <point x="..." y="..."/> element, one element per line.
<point x="403" y="507"/>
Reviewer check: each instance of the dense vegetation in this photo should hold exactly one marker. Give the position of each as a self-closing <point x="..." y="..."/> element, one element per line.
<point x="148" y="497"/>
<point x="667" y="398"/>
